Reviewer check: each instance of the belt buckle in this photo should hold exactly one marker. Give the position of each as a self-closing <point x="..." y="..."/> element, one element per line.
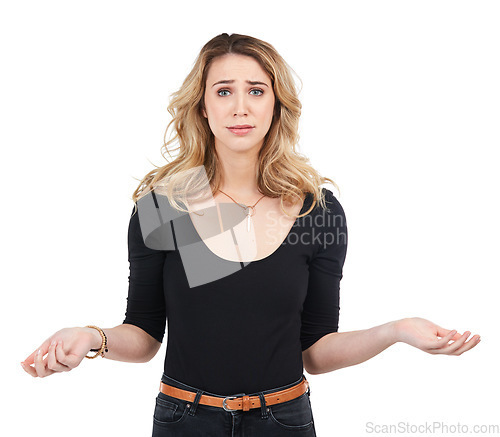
<point x="224" y="404"/>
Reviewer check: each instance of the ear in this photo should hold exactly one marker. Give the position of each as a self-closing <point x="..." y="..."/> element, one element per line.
<point x="202" y="104"/>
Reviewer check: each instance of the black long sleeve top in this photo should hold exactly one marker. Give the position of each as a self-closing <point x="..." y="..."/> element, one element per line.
<point x="244" y="332"/>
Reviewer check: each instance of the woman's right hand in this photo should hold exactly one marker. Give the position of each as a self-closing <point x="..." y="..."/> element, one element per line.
<point x="65" y="350"/>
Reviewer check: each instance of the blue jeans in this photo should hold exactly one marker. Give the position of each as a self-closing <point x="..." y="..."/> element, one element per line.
<point x="175" y="417"/>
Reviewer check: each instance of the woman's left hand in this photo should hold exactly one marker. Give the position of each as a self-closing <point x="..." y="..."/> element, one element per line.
<point x="433" y="339"/>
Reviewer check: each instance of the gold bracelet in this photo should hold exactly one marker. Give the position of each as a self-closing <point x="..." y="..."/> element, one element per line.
<point x="104" y="344"/>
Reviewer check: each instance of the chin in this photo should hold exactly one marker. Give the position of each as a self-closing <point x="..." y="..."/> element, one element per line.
<point x="241" y="144"/>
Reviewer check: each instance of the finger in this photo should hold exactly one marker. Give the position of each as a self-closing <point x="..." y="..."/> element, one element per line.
<point x="453" y="338"/>
<point x="455" y="345"/>
<point x="28" y="369"/>
<point x="40" y="368"/>
<point x="442" y="342"/>
<point x="52" y="361"/>
<point x="441" y="332"/>
<point x="62" y="357"/>
<point x="456" y="336"/>
<point x="473" y="342"/>
<point x="44" y="347"/>
<point x="29" y="359"/>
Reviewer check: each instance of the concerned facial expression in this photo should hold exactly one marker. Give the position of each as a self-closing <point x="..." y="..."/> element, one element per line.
<point x="239" y="102"/>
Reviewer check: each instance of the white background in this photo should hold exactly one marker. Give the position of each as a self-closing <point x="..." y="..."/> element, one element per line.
<point x="400" y="108"/>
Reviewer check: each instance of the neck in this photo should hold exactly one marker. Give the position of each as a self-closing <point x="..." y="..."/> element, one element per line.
<point x="239" y="175"/>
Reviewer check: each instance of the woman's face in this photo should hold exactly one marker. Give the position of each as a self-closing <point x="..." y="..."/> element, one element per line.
<point x="231" y="100"/>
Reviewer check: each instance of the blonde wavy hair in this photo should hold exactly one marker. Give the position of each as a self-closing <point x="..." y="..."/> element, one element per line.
<point x="282" y="171"/>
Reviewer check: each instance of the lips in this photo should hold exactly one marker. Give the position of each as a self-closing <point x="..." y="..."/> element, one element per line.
<point x="240" y="129"/>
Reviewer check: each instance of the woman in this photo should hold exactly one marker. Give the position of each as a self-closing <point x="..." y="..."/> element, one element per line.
<point x="256" y="299"/>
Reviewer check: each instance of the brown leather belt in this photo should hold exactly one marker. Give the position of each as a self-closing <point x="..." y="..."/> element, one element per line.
<point x="233" y="403"/>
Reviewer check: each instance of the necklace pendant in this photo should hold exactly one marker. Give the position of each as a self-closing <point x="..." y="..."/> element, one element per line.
<point x="248" y="222"/>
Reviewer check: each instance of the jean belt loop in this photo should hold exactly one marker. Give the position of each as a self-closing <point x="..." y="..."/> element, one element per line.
<point x="263" y="406"/>
<point x="196" y="401"/>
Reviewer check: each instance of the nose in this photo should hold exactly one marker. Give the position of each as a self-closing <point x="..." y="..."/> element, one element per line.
<point x="241" y="105"/>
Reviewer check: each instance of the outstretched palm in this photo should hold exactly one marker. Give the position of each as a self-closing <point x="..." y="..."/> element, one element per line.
<point x="433" y="339"/>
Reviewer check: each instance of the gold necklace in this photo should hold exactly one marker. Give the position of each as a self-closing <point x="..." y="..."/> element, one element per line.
<point x="247" y="208"/>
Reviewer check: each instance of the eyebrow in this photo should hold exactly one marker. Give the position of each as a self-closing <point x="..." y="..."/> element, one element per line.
<point x="251" y="82"/>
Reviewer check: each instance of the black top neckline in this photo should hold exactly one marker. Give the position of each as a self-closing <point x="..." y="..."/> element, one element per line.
<point x="305" y="207"/>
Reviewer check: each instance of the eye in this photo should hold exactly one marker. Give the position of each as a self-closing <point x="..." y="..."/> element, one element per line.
<point x="258" y="90"/>
<point x="224" y="90"/>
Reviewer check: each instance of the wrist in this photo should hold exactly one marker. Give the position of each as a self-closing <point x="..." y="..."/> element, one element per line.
<point x="396" y="330"/>
<point x="94" y="338"/>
